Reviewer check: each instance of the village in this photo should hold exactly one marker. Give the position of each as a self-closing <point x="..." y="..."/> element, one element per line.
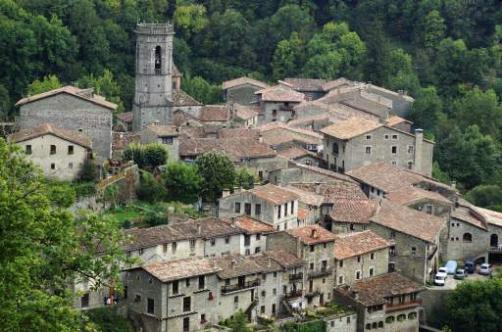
<point x="342" y="224"/>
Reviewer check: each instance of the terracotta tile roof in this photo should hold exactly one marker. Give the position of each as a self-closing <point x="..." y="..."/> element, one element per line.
<point x="357" y="211"/>
<point x="180" y="98"/>
<point x="126" y="117"/>
<point x="246" y="112"/>
<point x="278" y="133"/>
<point x="351" y="128"/>
<point x="467" y="213"/>
<point x="192" y="229"/>
<point x="238" y="132"/>
<point x="375" y="290"/>
<point x="491" y="217"/>
<point x="339" y="82"/>
<point x="382" y="91"/>
<point x="251" y="226"/>
<point x="334" y="190"/>
<point x="306" y="196"/>
<point x="358" y="243"/>
<point x="312" y="234"/>
<point x="409" y="195"/>
<point x="387" y="177"/>
<point x="281" y="93"/>
<point x="325" y="172"/>
<point x="49" y="129"/>
<point x="309" y="120"/>
<point x="409" y="221"/>
<point x="167" y="271"/>
<point x="215" y="113"/>
<point x="163" y="130"/>
<point x="241" y="81"/>
<point x="233" y="266"/>
<point x="395" y="120"/>
<point x="295" y="152"/>
<point x="285" y="258"/>
<point x="121" y="139"/>
<point x="274" y="194"/>
<point x="363" y="104"/>
<point x="236" y="148"/>
<point x="306" y="84"/>
<point x="85" y="94"/>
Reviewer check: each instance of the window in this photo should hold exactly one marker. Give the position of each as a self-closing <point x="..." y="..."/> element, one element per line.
<point x="258" y="237"/>
<point x="262" y="309"/>
<point x="273" y="309"/>
<point x="247" y="209"/>
<point x="392" y="235"/>
<point x="158" y="60"/>
<point x="70" y="149"/>
<point x="359" y="259"/>
<point x="394" y="149"/>
<point x="140" y="251"/>
<point x="84" y="300"/>
<point x="412" y="315"/>
<point x="263" y="293"/>
<point x="70" y="165"/>
<point x="341" y="263"/>
<point x="150" y="306"/>
<point x="137" y="298"/>
<point x="348" y="320"/>
<point x="285" y="209"/>
<point x="213" y="242"/>
<point x="53" y="149"/>
<point x="368" y="136"/>
<point x="335" y="148"/>
<point x="187" y="282"/>
<point x="164" y="248"/>
<point x="324" y="265"/>
<point x="236" y="299"/>
<point x="311" y="266"/>
<point x="248" y="252"/>
<point x="340" y="280"/>
<point x="175" y="287"/>
<point x="368" y="326"/>
<point x="257" y="250"/>
<point x="174" y="246"/>
<point x="202" y="282"/>
<point x="203" y="319"/>
<point x="28" y="149"/>
<point x="410" y="164"/>
<point x="237" y="208"/>
<point x="394" y="136"/>
<point x="192" y="245"/>
<point x="274" y="291"/>
<point x="358" y="275"/>
<point x="467" y="237"/>
<point x="167" y="140"/>
<point x="279" y="211"/>
<point x="386" y="136"/>
<point x="312" y="248"/>
<point x="292" y="207"/>
<point x="372" y="256"/>
<point x="371" y="272"/>
<point x="413" y="251"/>
<point x="53" y="166"/>
<point x="368" y="150"/>
<point x="410" y="149"/>
<point x="257" y="209"/>
<point x="186" y="324"/>
<point x="227" y="239"/>
<point x="380" y="324"/>
<point x="187" y="304"/>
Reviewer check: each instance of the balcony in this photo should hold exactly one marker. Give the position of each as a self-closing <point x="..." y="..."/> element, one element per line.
<point x="296" y="277"/>
<point x="403" y="306"/>
<point x="240" y="286"/>
<point x="293" y="294"/>
<point x="320" y="273"/>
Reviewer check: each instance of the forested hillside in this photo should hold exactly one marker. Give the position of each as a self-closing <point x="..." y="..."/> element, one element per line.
<point x="445" y="53"/>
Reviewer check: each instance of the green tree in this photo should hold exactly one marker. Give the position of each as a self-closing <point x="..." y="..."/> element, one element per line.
<point x="427" y="109"/>
<point x="489" y="196"/>
<point x="217" y="172"/>
<point x="89" y="172"/>
<point x="190" y="18"/>
<point x="150" y="189"/>
<point x="48" y="83"/>
<point x="244" y="178"/>
<point x="182" y="182"/>
<point x="104" y="85"/>
<point x="430" y="30"/>
<point x="146" y="156"/>
<point x="289" y="57"/>
<point x="238" y="322"/>
<point x="44" y="249"/>
<point x="5" y="105"/>
<point x="475" y="306"/>
<point x="201" y="90"/>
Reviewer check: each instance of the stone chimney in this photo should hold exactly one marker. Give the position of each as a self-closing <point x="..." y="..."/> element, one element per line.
<point x="313" y="233"/>
<point x="419" y="140"/>
<point x="225" y="193"/>
<point x="454" y="184"/>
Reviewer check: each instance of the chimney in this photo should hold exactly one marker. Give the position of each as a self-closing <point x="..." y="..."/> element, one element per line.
<point x="355" y="295"/>
<point x="419" y="140"/>
<point x="199" y="229"/>
<point x="454" y="184"/>
<point x="225" y="193"/>
<point x="313" y="233"/>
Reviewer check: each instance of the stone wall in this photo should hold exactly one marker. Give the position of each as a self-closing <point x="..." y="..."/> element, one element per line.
<point x="242" y="94"/>
<point x="350" y="266"/>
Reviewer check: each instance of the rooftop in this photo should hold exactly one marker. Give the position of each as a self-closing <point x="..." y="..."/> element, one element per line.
<point x="242" y="81"/>
<point x="238" y="132"/>
<point x="126" y="117"/>
<point x="182" y="99"/>
<point x="274" y="194"/>
<point x="358" y="243"/>
<point x="281" y="93"/>
<point x="49" y="129"/>
<point x="295" y="152"/>
<point x="306" y="84"/>
<point x="163" y="130"/>
<point x="375" y="290"/>
<point x="406" y="220"/>
<point x="351" y="128"/>
<point x="246" y="112"/>
<point x="233" y="266"/>
<point x="167" y="271"/>
<point x="251" y="226"/>
<point x="312" y="234"/>
<point x="307" y="197"/>
<point x="276" y="133"/>
<point x="409" y="195"/>
<point x="85" y="94"/>
<point x="215" y="113"/>
<point x="285" y="258"/>
<point x="333" y="190"/>
<point x="356" y="211"/>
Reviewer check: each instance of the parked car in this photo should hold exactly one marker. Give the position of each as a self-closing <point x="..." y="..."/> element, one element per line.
<point x="439" y="279"/>
<point x="451" y="267"/>
<point x="470" y="266"/>
<point x="485" y="269"/>
<point x="460" y="274"/>
<point x="442" y="272"/>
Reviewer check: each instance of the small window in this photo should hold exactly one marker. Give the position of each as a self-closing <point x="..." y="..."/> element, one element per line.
<point x="70" y="149"/>
<point x="359" y="259"/>
<point x="372" y="256"/>
<point x="202" y="282"/>
<point x="394" y="149"/>
<point x="410" y="149"/>
<point x="263" y="293"/>
<point x="192" y="245"/>
<point x="358" y="275"/>
<point x="213" y="242"/>
<point x="227" y="239"/>
<point x="236" y="299"/>
<point x="53" y="166"/>
<point x="340" y="280"/>
<point x="394" y="137"/>
<point x="140" y="251"/>
<point x="187" y="282"/>
<point x="237" y="207"/>
<point x="285" y="209"/>
<point x="311" y="266"/>
<point x="187" y="304"/>
<point x="292" y="207"/>
<point x="341" y="263"/>
<point x="203" y="319"/>
<point x="150" y="306"/>
<point x="368" y="150"/>
<point x="174" y="246"/>
<point x="467" y="237"/>
<point x="429" y="209"/>
<point x="248" y="252"/>
<point x="371" y="272"/>
<point x="386" y="136"/>
<point x="394" y="162"/>
<point x="84" y="301"/>
<point x="70" y="165"/>
<point x="368" y="136"/>
<point x="257" y="209"/>
<point x="257" y="250"/>
<point x="410" y="164"/>
<point x="312" y="248"/>
<point x="413" y="251"/>
<point x="53" y="149"/>
<point x="28" y="149"/>
<point x="279" y="211"/>
<point x="175" y="287"/>
<point x="186" y="324"/>
<point x="258" y="237"/>
<point x="167" y="140"/>
<point x="164" y="248"/>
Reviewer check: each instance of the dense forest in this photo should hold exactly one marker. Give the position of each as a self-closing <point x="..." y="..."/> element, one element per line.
<point x="445" y="53"/>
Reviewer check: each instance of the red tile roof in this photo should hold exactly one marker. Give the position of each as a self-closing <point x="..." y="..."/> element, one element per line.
<point x="126" y="117"/>
<point x="306" y="84"/>
<point x="312" y="234"/>
<point x="167" y="271"/>
<point x="252" y="226"/>
<point x="358" y="243"/>
<point x="280" y="93"/>
<point x="274" y="194"/>
<point x="409" y="195"/>
<point x="350" y="128"/>
<point x="182" y="99"/>
<point x="357" y="211"/>
<point x="295" y="152"/>
<point x="246" y="112"/>
<point x="238" y="133"/>
<point x="163" y="130"/>
<point x="49" y="129"/>
<point x="242" y="81"/>
<point x="215" y="113"/>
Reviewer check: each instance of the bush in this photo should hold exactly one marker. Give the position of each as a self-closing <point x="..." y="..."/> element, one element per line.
<point x="150" y="190"/>
<point x="155" y="218"/>
<point x="88" y="173"/>
<point x="146" y="156"/>
<point x="108" y="320"/>
<point x="84" y="189"/>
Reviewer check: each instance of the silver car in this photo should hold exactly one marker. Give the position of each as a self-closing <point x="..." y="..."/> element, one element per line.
<point x="485" y="269"/>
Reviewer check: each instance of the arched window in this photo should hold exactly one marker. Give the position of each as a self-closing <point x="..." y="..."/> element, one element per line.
<point x="494" y="241"/>
<point x="467" y="237"/>
<point x="158" y="59"/>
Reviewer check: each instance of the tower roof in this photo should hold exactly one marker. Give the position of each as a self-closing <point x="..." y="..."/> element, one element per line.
<point x="155" y="28"/>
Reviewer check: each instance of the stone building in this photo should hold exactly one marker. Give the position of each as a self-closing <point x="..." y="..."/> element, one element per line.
<point x="60" y="153"/>
<point x="277" y="103"/>
<point x="388" y="302"/>
<point x="359" y="255"/>
<point x="351" y="214"/>
<point x="301" y="156"/>
<point x="167" y="135"/>
<point x="270" y="204"/>
<point x="415" y="239"/>
<point x="242" y="90"/>
<point x="246" y="115"/>
<point x="356" y="142"/>
<point x="75" y="109"/>
<point x="312" y="88"/>
<point x="315" y="245"/>
<point x="315" y="206"/>
<point x="281" y="136"/>
<point x="255" y="234"/>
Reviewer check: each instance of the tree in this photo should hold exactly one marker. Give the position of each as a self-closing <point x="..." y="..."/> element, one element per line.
<point x="201" y="90"/>
<point x="104" y="85"/>
<point x="489" y="196"/>
<point x="146" y="156"/>
<point x="190" y="18"/>
<point x="475" y="306"/>
<point x="150" y="189"/>
<point x="238" y="322"/>
<point x="5" y="105"/>
<point x="427" y="109"/>
<point x="88" y="173"/>
<point x="289" y="57"/>
<point x="430" y="30"/>
<point x="244" y="178"/>
<point x="182" y="182"/>
<point x="44" y="248"/>
<point x="217" y="172"/>
<point x="48" y="83"/>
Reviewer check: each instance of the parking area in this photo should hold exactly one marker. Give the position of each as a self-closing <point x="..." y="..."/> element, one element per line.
<point x="451" y="283"/>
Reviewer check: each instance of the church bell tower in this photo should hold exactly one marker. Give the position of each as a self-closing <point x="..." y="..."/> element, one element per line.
<point x="154" y="70"/>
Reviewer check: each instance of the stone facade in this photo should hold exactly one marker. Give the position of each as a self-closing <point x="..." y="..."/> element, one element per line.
<point x="370" y="264"/>
<point x="170" y="140"/>
<point x="344" y="322"/>
<point x="382" y="144"/>
<point x="72" y="113"/>
<point x="241" y="94"/>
